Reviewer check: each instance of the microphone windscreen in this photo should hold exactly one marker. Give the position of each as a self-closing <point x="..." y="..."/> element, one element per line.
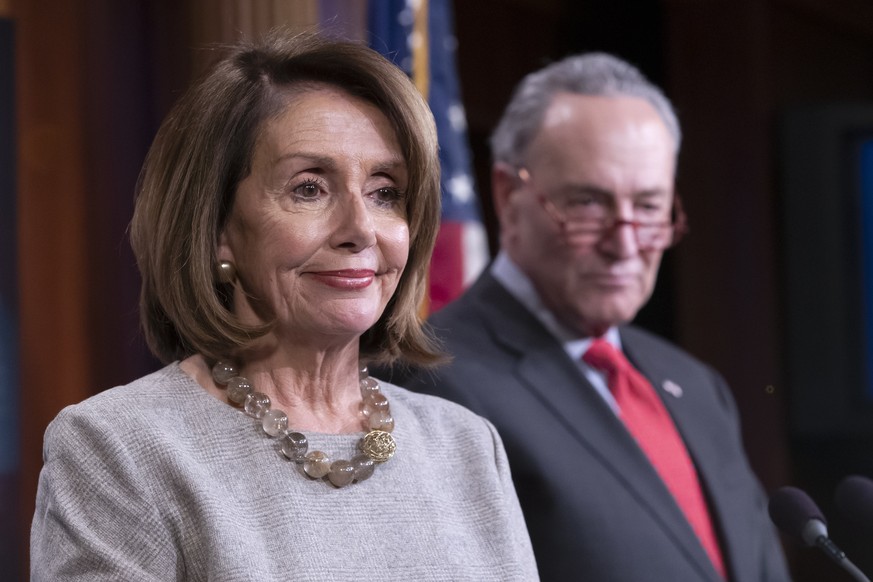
<point x="854" y="500"/>
<point x="791" y="509"/>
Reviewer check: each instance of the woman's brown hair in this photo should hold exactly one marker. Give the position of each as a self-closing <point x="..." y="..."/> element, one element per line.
<point x="203" y="150"/>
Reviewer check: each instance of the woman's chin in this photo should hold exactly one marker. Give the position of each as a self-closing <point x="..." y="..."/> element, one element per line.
<point x="339" y="325"/>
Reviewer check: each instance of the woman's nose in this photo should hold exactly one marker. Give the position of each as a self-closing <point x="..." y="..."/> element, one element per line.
<point x="355" y="227"/>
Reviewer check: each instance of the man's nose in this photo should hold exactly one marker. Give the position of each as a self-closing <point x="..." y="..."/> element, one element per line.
<point x="620" y="239"/>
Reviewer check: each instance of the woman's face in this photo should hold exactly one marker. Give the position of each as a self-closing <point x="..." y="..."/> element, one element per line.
<point x="318" y="229"/>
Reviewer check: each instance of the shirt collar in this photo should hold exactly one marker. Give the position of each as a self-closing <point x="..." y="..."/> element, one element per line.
<point x="520" y="286"/>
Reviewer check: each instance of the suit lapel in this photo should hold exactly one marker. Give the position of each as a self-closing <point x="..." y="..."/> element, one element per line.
<point x="678" y="392"/>
<point x="545" y="369"/>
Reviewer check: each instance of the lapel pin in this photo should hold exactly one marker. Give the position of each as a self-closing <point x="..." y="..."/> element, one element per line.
<point x="672" y="388"/>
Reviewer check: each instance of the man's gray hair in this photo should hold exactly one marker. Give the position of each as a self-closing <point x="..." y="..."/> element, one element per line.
<point x="595" y="74"/>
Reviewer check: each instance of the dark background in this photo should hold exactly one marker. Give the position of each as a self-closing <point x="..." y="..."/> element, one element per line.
<point x="765" y="288"/>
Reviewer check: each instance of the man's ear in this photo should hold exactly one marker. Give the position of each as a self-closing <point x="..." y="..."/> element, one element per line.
<point x="504" y="182"/>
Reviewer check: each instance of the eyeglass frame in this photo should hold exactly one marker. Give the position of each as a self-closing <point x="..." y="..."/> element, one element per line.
<point x="678" y="221"/>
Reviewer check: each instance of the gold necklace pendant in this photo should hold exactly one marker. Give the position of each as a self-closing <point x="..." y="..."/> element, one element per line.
<point x="378" y="445"/>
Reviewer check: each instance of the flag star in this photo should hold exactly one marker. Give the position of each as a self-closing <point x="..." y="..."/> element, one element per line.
<point x="457" y="117"/>
<point x="406" y="17"/>
<point x="460" y="188"/>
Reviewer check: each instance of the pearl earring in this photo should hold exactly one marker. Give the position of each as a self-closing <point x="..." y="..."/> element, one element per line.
<point x="226" y="272"/>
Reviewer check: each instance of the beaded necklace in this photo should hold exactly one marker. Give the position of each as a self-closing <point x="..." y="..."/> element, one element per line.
<point x="377" y="446"/>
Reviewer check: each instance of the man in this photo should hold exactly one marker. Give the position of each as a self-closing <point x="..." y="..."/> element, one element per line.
<point x="621" y="476"/>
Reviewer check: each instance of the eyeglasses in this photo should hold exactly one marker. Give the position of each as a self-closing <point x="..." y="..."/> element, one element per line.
<point x="586" y="223"/>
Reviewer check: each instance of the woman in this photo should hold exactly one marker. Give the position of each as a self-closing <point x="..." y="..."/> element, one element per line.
<point x="284" y="221"/>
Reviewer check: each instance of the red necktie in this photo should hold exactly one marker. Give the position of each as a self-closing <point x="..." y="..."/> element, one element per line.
<point x="646" y="418"/>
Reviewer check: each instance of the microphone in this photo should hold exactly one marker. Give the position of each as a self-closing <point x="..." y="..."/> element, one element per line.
<point x="854" y="500"/>
<point x="797" y="515"/>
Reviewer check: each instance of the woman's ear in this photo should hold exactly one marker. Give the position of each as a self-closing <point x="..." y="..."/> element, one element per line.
<point x="224" y="251"/>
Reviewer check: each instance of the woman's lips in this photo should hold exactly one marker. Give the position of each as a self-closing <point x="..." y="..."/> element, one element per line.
<point x="345" y="278"/>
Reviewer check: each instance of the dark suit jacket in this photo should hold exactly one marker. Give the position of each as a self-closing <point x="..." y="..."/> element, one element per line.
<point x="595" y="508"/>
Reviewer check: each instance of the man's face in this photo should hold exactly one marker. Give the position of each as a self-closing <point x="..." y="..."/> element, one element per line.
<point x="610" y="151"/>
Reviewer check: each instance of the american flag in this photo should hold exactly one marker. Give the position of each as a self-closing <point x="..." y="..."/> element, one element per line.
<point x="417" y="35"/>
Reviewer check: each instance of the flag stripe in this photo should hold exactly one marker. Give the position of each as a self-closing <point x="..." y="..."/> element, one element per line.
<point x="418" y="36"/>
<point x="420" y="44"/>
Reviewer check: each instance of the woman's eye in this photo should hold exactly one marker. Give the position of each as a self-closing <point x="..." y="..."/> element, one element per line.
<point x="307" y="190"/>
<point x="388" y="196"/>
